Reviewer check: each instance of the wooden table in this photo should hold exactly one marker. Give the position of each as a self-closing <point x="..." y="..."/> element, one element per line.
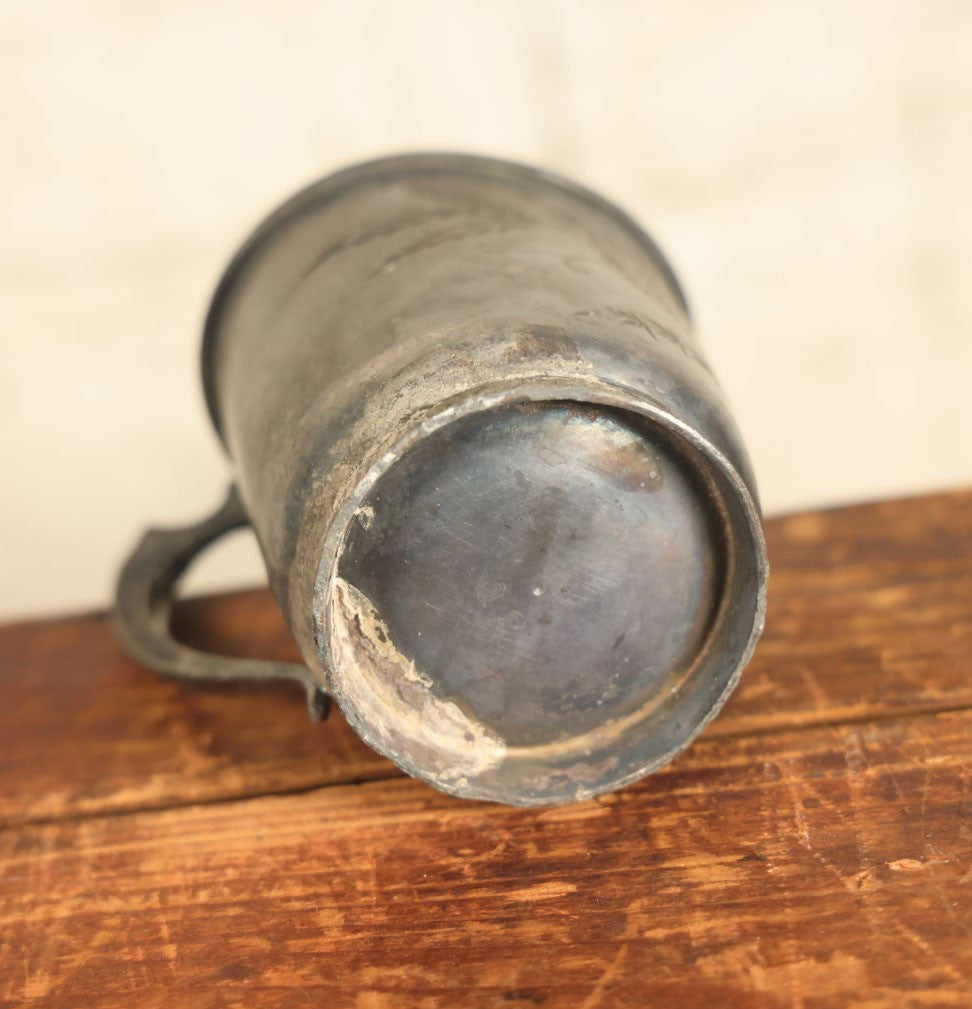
<point x="169" y="845"/>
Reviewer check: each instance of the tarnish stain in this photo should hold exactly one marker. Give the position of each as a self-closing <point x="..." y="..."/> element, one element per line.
<point x="394" y="698"/>
<point x="553" y="345"/>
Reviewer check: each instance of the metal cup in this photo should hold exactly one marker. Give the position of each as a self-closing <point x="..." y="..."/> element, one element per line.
<point x="500" y="497"/>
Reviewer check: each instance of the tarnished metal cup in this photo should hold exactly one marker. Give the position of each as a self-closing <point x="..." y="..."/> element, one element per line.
<point x="501" y="500"/>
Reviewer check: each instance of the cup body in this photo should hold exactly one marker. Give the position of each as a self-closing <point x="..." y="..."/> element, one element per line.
<point x="500" y="497"/>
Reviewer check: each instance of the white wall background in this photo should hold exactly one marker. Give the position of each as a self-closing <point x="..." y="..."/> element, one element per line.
<point x="807" y="167"/>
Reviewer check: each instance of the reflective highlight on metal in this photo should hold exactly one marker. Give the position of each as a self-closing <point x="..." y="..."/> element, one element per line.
<point x="500" y="497"/>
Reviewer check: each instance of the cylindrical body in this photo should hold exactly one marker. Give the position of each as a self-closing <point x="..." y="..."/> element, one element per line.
<point x="500" y="498"/>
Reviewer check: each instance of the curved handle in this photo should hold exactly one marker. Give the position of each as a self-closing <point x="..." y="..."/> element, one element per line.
<point x="143" y="608"/>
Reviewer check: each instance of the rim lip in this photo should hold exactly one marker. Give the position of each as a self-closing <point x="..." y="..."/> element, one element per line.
<point x="540" y="389"/>
<point x="394" y="168"/>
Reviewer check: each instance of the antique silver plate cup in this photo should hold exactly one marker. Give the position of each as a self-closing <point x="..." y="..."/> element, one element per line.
<point x="501" y="500"/>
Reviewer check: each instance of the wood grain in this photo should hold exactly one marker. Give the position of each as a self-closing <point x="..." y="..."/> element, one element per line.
<point x="819" y="868"/>
<point x="169" y="845"/>
<point x="870" y="615"/>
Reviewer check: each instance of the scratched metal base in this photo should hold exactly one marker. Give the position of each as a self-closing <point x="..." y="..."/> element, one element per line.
<point x="484" y="631"/>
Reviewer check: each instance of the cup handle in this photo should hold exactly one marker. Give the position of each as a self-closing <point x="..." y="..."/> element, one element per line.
<point x="144" y="598"/>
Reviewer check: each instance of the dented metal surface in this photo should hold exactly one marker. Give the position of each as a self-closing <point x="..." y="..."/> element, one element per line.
<point x="500" y="497"/>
